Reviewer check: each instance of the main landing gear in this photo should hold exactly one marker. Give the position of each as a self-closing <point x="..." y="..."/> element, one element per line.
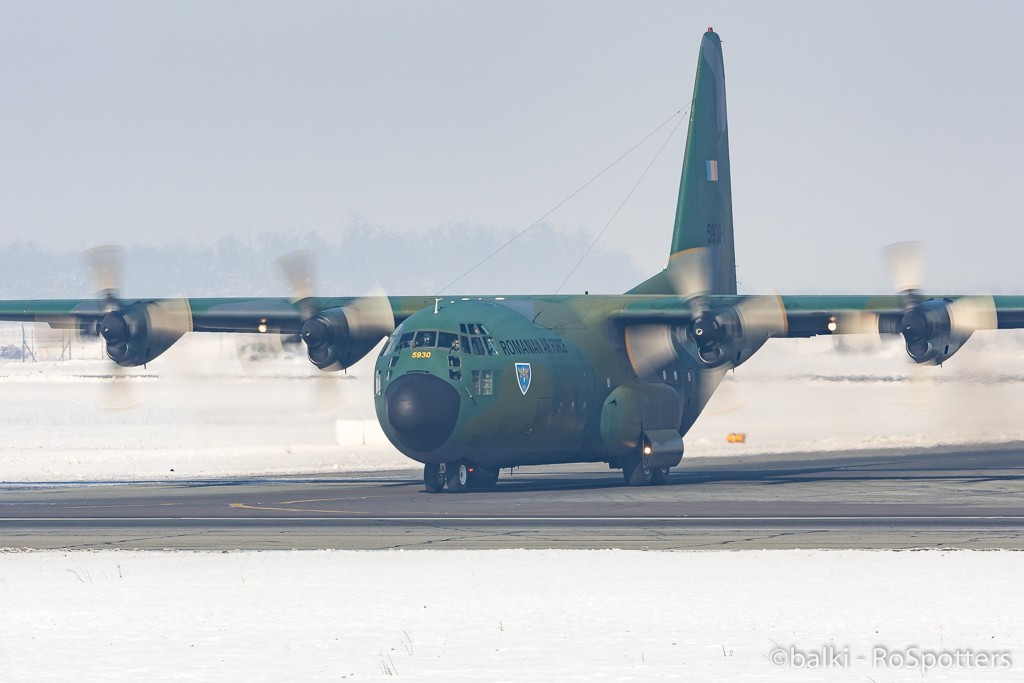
<point x="637" y="471"/>
<point x="459" y="476"/>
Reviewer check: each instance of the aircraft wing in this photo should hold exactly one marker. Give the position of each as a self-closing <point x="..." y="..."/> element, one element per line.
<point x="725" y="330"/>
<point x="809" y="315"/>
<point x="245" y="314"/>
<point x="337" y="331"/>
<point x="716" y="329"/>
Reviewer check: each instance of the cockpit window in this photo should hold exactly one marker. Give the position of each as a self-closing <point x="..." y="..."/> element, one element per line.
<point x="425" y="339"/>
<point x="475" y="340"/>
<point x="392" y="344"/>
<point x="448" y="341"/>
<point x="475" y="345"/>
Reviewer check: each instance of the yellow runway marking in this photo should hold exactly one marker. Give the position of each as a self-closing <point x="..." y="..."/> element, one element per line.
<point x="311" y="500"/>
<point x="245" y="506"/>
<point x="322" y="500"/>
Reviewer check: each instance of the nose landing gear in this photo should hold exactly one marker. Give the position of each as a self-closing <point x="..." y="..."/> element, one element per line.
<point x="433" y="477"/>
<point x="459" y="476"/>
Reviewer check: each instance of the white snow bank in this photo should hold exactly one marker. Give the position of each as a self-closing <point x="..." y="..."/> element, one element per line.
<point x="509" y="615"/>
<point x="205" y="409"/>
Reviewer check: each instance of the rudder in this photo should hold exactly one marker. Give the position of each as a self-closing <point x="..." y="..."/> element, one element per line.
<point x="704" y="209"/>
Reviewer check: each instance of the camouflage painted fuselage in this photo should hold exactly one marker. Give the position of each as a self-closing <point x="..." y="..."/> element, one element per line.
<point x="528" y="388"/>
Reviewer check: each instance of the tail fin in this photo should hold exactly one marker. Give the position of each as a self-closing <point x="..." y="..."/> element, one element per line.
<point x="704" y="211"/>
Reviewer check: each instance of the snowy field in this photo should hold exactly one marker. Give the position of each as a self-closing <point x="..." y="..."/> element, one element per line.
<point x="512" y="615"/>
<point x="208" y="409"/>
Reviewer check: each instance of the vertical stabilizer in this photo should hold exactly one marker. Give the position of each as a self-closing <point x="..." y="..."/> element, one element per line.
<point x="704" y="210"/>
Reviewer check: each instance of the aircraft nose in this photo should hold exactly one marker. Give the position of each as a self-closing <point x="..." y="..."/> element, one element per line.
<point x="422" y="409"/>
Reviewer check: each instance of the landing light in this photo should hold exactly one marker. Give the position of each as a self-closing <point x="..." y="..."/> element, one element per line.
<point x="832" y="324"/>
<point x="262" y="327"/>
<point x="648" y="450"/>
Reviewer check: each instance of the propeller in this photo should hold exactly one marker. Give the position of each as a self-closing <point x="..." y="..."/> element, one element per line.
<point x="968" y="314"/>
<point x="298" y="271"/>
<point x="906" y="263"/>
<point x="933" y="329"/>
<point x="337" y="337"/>
<point x="105" y="266"/>
<point x="133" y="333"/>
<point x="722" y="335"/>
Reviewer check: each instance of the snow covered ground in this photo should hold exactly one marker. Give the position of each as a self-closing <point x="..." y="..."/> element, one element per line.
<point x="512" y="615"/>
<point x="205" y="410"/>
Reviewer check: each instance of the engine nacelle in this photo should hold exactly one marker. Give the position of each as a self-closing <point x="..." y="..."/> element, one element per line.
<point x="137" y="334"/>
<point x="929" y="333"/>
<point x="338" y="337"/>
<point x="715" y="339"/>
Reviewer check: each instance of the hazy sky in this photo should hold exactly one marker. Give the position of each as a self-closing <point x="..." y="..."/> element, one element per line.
<point x="851" y="126"/>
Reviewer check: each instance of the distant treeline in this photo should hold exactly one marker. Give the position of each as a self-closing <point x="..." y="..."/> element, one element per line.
<point x="358" y="259"/>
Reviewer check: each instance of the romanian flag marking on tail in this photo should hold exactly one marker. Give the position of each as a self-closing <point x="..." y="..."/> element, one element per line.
<point x="712" y="171"/>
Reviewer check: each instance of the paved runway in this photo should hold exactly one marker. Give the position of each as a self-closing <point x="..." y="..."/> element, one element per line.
<point x="957" y="497"/>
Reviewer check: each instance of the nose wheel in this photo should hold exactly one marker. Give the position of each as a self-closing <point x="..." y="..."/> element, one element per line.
<point x="433" y="477"/>
<point x="458" y="477"/>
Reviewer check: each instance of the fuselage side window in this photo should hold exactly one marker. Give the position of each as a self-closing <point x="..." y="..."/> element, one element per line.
<point x="478" y="346"/>
<point x="483" y="382"/>
<point x="491" y="351"/>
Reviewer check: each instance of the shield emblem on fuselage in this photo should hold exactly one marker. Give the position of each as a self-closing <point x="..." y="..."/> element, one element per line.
<point x="524" y="374"/>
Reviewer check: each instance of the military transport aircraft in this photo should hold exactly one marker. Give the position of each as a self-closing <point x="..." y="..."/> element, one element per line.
<point x="468" y="385"/>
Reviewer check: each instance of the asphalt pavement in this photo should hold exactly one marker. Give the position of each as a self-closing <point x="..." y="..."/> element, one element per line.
<point x="962" y="497"/>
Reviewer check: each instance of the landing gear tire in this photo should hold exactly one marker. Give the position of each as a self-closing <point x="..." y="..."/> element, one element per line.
<point x="659" y="475"/>
<point x="637" y="472"/>
<point x="433" y="477"/>
<point x="459" y="476"/>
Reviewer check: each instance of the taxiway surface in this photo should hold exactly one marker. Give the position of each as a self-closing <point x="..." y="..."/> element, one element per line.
<point x="958" y="497"/>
